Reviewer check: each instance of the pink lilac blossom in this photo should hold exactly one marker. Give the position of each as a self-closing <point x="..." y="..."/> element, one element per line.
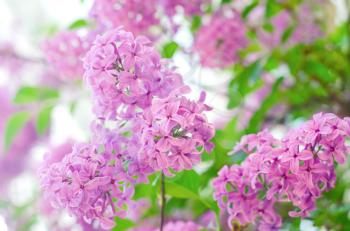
<point x="9" y="58"/>
<point x="174" y="133"/>
<point x="64" y="53"/>
<point x="296" y="169"/>
<point x="306" y="28"/>
<point x="137" y="16"/>
<point x="189" y="7"/>
<point x="181" y="225"/>
<point x="125" y="73"/>
<point x="218" y="45"/>
<point x="90" y="184"/>
<point x="144" y="124"/>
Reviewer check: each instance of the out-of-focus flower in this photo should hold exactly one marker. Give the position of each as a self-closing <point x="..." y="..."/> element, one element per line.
<point x="190" y="7"/>
<point x="137" y="16"/>
<point x="64" y="53"/>
<point x="218" y="45"/>
<point x="302" y="25"/>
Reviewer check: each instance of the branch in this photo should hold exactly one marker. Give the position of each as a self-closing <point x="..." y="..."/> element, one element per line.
<point x="163" y="201"/>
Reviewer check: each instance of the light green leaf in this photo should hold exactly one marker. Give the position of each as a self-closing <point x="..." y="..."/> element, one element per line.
<point x="179" y="191"/>
<point x="196" y="23"/>
<point x="123" y="224"/>
<point x="43" y="120"/>
<point x="80" y="23"/>
<point x="169" y="49"/>
<point x="30" y="94"/>
<point x="14" y="125"/>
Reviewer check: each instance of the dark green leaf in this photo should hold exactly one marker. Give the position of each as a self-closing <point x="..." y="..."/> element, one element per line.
<point x="226" y="1"/>
<point x="287" y="33"/>
<point x="267" y="104"/>
<point x="249" y="8"/>
<point x="14" y="125"/>
<point x="244" y="83"/>
<point x="319" y="71"/>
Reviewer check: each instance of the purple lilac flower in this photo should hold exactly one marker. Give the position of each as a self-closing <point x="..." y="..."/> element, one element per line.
<point x="137" y="16"/>
<point x="218" y="45"/>
<point x="64" y="53"/>
<point x="297" y="168"/>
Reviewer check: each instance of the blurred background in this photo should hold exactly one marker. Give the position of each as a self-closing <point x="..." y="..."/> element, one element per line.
<point x="42" y="112"/>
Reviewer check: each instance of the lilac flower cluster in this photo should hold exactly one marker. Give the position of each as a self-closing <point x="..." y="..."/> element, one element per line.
<point x="64" y="53"/>
<point x="144" y="124"/>
<point x="125" y="73"/>
<point x="296" y="169"/>
<point x="137" y="16"/>
<point x="174" y="133"/>
<point x="189" y="7"/>
<point x="89" y="183"/>
<point x="218" y="45"/>
<point x="306" y="29"/>
<point x="181" y="225"/>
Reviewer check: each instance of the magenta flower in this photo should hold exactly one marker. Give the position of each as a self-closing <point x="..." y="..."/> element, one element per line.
<point x="296" y="169"/>
<point x="64" y="53"/>
<point x="218" y="45"/>
<point x="136" y="16"/>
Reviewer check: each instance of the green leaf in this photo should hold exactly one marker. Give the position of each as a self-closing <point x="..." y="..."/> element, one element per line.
<point x="226" y="1"/>
<point x="244" y="83"/>
<point x="43" y="120"/>
<point x="267" y="104"/>
<point x="189" y="180"/>
<point x="319" y="71"/>
<point x="30" y="94"/>
<point x="169" y="49"/>
<point x="196" y="23"/>
<point x="80" y="23"/>
<point x="14" y="125"/>
<point x="268" y="27"/>
<point x="295" y="225"/>
<point x="123" y="224"/>
<point x="179" y="191"/>
<point x="287" y="33"/>
<point x="249" y="8"/>
<point x="272" y="8"/>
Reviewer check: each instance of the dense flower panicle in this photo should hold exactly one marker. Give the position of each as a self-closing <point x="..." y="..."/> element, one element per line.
<point x="189" y="7"/>
<point x="125" y="73"/>
<point x="297" y="168"/>
<point x="306" y="29"/>
<point x="174" y="133"/>
<point x="65" y="51"/>
<point x="92" y="185"/>
<point x="181" y="225"/>
<point x="137" y="16"/>
<point x="145" y="124"/>
<point x="218" y="45"/>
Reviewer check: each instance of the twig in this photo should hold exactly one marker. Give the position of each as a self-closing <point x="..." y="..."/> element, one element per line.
<point x="162" y="210"/>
